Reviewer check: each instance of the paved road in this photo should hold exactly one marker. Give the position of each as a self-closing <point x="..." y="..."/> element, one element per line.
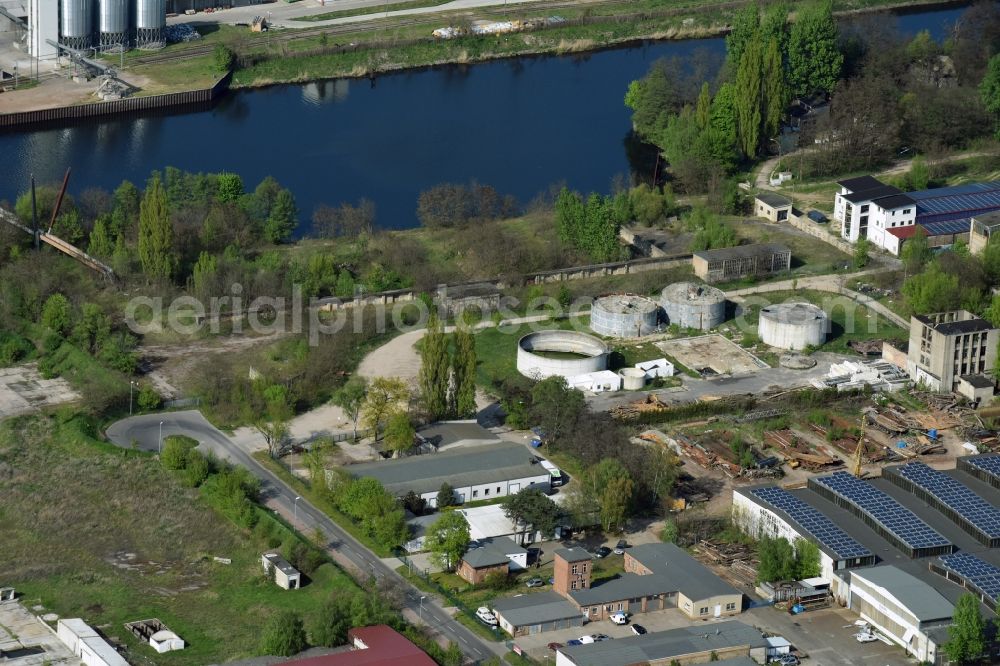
<point x="144" y="432"/>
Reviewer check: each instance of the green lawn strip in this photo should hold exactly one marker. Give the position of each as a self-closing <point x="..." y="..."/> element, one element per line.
<point x="464" y="601"/>
<point x="108" y="535"/>
<point x="374" y="9"/>
<point x="320" y="502"/>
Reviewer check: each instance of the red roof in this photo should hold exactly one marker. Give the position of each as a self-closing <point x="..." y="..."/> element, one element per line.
<point x="384" y="647"/>
<point x="903" y="233"/>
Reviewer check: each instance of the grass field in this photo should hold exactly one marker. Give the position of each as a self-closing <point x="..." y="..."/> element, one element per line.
<point x="496" y="348"/>
<point x="810" y="255"/>
<point x="96" y="532"/>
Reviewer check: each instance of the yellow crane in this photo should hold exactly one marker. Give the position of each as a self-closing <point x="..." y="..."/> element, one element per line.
<point x="856" y="467"/>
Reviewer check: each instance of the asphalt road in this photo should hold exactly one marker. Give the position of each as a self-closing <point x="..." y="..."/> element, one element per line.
<point x="144" y="433"/>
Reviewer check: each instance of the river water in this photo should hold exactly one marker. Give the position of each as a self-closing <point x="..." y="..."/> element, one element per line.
<point x="519" y="125"/>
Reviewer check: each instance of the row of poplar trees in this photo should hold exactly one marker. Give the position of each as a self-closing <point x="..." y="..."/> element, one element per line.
<point x="448" y="371"/>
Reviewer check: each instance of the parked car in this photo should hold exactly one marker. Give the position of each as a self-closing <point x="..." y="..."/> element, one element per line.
<point x="554" y="646"/>
<point x="573" y="641"/>
<point x="817" y="217"/>
<point x="535" y="582"/>
<point x="785" y="660"/>
<point x="586" y="640"/>
<point x="638" y="629"/>
<point x="620" y="547"/>
<point x="602" y="552"/>
<point x="600" y="638"/>
<point x="619" y="618"/>
<point x="486" y="616"/>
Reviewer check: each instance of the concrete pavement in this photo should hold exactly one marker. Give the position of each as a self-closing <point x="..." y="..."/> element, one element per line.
<point x="144" y="433"/>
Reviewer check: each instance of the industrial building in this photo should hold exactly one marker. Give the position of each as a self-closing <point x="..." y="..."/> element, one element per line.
<point x="378" y="645"/>
<point x="921" y="570"/>
<point x="560" y="353"/>
<point x="693" y="305"/>
<point x="868" y="208"/>
<point x="107" y="25"/>
<point x="981" y="229"/>
<point x="624" y="316"/>
<point x="771" y="206"/>
<point x="719" y="643"/>
<point x="735" y="263"/>
<point x="475" y="473"/>
<point x="497" y="555"/>
<point x="793" y="326"/>
<point x="88" y="646"/>
<point x="527" y="614"/>
<point x="947" y="347"/>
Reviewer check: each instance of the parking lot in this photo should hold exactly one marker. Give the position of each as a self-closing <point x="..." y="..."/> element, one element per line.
<point x="22" y="390"/>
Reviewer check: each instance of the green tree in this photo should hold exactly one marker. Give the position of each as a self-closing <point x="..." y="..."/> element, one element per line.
<point x="814" y="61"/>
<point x="283" y="218"/>
<point x="230" y="187"/>
<point x="223" y="58"/>
<point x="807" y="560"/>
<point x="615" y="499"/>
<point x="652" y="99"/>
<point x="283" y="635"/>
<point x="100" y="244"/>
<point x="92" y="328"/>
<point x="446" y="496"/>
<point x="156" y="234"/>
<point x="704" y="108"/>
<point x="399" y="433"/>
<point x="777" y="560"/>
<point x="434" y="369"/>
<point x="447" y="538"/>
<point x="920" y="174"/>
<point x="125" y="214"/>
<point x="384" y="397"/>
<point x="916" y="252"/>
<point x="533" y="510"/>
<point x="669" y="533"/>
<point x="967" y="634"/>
<point x="196" y="470"/>
<point x="554" y="406"/>
<point x="989" y="89"/>
<point x="744" y="31"/>
<point x="204" y="275"/>
<point x="148" y="398"/>
<point x="56" y="315"/>
<point x="922" y="47"/>
<point x="463" y="371"/>
<point x="774" y="26"/>
<point x="861" y="248"/>
<point x="932" y="290"/>
<point x="774" y="94"/>
<point x="350" y="397"/>
<point x="749" y="90"/>
<point x="176" y="451"/>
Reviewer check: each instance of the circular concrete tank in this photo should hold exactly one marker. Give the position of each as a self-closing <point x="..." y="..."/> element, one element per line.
<point x="633" y="379"/>
<point x="793" y="325"/>
<point x="579" y="354"/>
<point x="693" y="305"/>
<point x="624" y="316"/>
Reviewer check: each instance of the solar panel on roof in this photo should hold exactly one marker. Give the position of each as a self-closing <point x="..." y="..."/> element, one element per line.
<point x="947" y="226"/>
<point x="815" y="523"/>
<point x="982" y="575"/>
<point x="988" y="464"/>
<point x="886" y="511"/>
<point x="971" y="507"/>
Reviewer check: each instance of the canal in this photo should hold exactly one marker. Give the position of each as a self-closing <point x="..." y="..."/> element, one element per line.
<point x="520" y="125"/>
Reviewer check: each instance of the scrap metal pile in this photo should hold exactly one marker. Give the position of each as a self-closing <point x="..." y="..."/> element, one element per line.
<point x="181" y="32"/>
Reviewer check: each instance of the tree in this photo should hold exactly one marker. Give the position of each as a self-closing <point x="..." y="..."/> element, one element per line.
<point x="920" y="175"/>
<point x="774" y="95"/>
<point x="534" y="510"/>
<point x="434" y="375"/>
<point x="156" y="234"/>
<point x="446" y="496"/>
<point x="555" y="406"/>
<point x="383" y="398"/>
<point x="749" y="90"/>
<point x="610" y="486"/>
<point x="861" y="249"/>
<point x="932" y="290"/>
<point x="100" y="244"/>
<point x="283" y="218"/>
<point x="989" y="88"/>
<point x="148" y="398"/>
<point x="230" y="187"/>
<point x="704" y="107"/>
<point x="463" y="370"/>
<point x="807" y="560"/>
<point x="283" y="635"/>
<point x="669" y="532"/>
<point x="275" y="434"/>
<point x="350" y="397"/>
<point x="447" y="538"/>
<point x="814" y="61"/>
<point x="916" y="252"/>
<point x="56" y="314"/>
<point x="777" y="560"/>
<point x="223" y="57"/>
<point x="967" y="635"/>
<point x="399" y="433"/>
<point x="176" y="451"/>
<point x="744" y="31"/>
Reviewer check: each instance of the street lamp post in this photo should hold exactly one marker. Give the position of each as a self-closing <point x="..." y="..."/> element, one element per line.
<point x="159" y="444"/>
<point x="295" y="508"/>
<point x="131" y="384"/>
<point x="420" y="612"/>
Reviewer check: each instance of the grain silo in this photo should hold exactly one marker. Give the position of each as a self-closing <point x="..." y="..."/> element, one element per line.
<point x="150" y="21"/>
<point x="112" y="24"/>
<point x="624" y="316"/>
<point x="76" y="23"/>
<point x="793" y="325"/>
<point x="693" y="305"/>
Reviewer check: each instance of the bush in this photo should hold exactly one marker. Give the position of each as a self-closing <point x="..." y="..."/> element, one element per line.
<point x="499" y="581"/>
<point x="224" y="58"/>
<point x="284" y="635"/>
<point x="176" y="449"/>
<point x="196" y="470"/>
<point x="149" y="399"/>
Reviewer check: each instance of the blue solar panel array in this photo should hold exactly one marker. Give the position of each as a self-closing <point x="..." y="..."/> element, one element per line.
<point x="815" y="523"/>
<point x="981" y="575"/>
<point x="887" y="512"/>
<point x="971" y="507"/>
<point x="943" y="227"/>
<point x="988" y="464"/>
<point x="956" y="203"/>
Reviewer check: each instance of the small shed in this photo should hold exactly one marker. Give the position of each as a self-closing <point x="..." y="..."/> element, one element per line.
<point x="157" y="634"/>
<point x="777" y="646"/>
<point x="977" y="388"/>
<point x="773" y="207"/>
<point x="495" y="555"/>
<point x="285" y="575"/>
<point x="659" y="367"/>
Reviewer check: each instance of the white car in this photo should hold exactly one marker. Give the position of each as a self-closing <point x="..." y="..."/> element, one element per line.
<point x="486" y="616"/>
<point x="865" y="637"/>
<point x="619" y="618"/>
<point x="586" y="640"/>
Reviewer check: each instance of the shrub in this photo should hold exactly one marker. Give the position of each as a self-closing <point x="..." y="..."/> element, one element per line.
<point x="284" y="635"/>
<point x="224" y="58"/>
<point x="176" y="449"/>
<point x="149" y="399"/>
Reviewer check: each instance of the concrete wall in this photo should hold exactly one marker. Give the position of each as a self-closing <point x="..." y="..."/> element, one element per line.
<point x="605" y="321"/>
<point x="539" y="367"/>
<point x="792" y="335"/>
<point x="692" y="313"/>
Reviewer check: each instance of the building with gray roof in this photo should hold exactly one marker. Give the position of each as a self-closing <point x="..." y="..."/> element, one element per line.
<point x="475" y="473"/>
<point x="537" y="612"/>
<point x="695" y="644"/>
<point x="734" y="263"/>
<point x="488" y="556"/>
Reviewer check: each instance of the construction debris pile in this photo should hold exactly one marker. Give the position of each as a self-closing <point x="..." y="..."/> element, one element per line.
<point x="496" y="27"/>
<point x="798" y="452"/>
<point x="737" y="557"/>
<point x="181" y="32"/>
<point x="877" y="374"/>
<point x="110" y="87"/>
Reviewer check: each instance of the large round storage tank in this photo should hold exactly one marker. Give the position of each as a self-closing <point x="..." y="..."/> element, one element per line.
<point x="112" y="23"/>
<point x="564" y="353"/>
<point x="633" y="379"/>
<point x="624" y="316"/>
<point x="793" y="325"/>
<point x="76" y="23"/>
<point x="150" y="20"/>
<point x="693" y="305"/>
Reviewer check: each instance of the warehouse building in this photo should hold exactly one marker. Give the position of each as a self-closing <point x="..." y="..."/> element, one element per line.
<point x="722" y="641"/>
<point x="735" y="263"/>
<point x="497" y="555"/>
<point x="773" y="207"/>
<point x="948" y="346"/>
<point x="88" y="646"/>
<point x="981" y="230"/>
<point x="378" y="645"/>
<point x="475" y="473"/>
<point x="905" y="609"/>
<point x="528" y="614"/>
